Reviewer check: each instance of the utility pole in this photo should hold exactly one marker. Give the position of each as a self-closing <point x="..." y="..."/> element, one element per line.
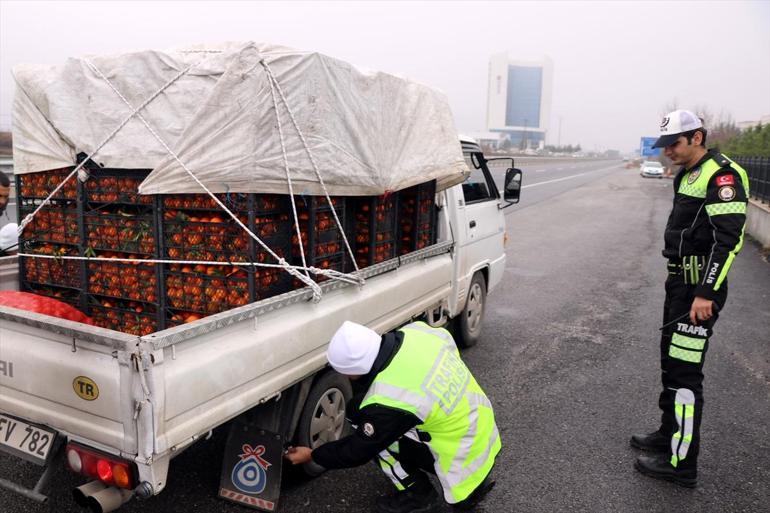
<point x="525" y="135"/>
<point x="559" y="140"/>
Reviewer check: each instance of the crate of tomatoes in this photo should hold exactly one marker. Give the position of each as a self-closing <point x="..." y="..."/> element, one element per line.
<point x="373" y="228"/>
<point x="322" y="241"/>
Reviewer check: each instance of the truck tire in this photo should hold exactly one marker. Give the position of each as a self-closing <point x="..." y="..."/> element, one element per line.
<point x="467" y="325"/>
<point x="323" y="417"/>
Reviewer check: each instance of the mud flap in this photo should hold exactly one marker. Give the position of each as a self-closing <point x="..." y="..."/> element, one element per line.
<point x="251" y="467"/>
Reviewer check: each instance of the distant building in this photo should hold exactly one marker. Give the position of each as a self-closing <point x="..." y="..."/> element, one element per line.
<point x="519" y="99"/>
<point x="743" y="125"/>
<point x="489" y="139"/>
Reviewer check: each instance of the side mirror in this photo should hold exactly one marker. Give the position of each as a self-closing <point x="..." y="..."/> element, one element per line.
<point x="512" y="189"/>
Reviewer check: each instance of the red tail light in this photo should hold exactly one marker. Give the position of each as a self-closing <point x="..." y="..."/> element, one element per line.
<point x="110" y="470"/>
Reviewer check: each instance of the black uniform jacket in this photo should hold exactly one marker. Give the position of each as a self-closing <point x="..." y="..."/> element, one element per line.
<point x="691" y="231"/>
<point x="377" y="426"/>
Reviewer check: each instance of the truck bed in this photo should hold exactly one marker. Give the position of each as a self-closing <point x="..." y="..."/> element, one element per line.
<point x="196" y="376"/>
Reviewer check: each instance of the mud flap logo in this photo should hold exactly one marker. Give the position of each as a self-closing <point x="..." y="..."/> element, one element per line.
<point x="250" y="474"/>
<point x="85" y="388"/>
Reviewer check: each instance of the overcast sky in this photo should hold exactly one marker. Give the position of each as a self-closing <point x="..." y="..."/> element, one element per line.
<point x="616" y="64"/>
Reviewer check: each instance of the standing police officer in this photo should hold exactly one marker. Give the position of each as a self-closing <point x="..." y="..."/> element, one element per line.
<point x="420" y="411"/>
<point x="703" y="235"/>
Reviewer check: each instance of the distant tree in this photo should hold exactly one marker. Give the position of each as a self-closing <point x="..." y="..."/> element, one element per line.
<point x="752" y="142"/>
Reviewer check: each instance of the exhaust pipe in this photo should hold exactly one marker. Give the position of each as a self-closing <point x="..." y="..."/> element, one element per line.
<point x="83" y="492"/>
<point x="109" y="499"/>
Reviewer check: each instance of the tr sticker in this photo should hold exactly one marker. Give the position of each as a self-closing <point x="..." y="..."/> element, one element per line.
<point x="85" y="388"/>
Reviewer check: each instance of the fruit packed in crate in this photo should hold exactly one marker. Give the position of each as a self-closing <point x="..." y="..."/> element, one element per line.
<point x="124" y="280"/>
<point x="53" y="223"/>
<point x="126" y="230"/>
<point x="416" y="217"/>
<point x="52" y="271"/>
<point x="37" y="186"/>
<point x="132" y="317"/>
<point x="321" y="236"/>
<point x="206" y="289"/>
<point x="236" y="202"/>
<point x="373" y="228"/>
<point x="204" y="237"/>
<point x="104" y="186"/>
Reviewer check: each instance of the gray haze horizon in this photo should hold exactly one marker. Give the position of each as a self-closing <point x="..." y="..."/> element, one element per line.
<point x="617" y="65"/>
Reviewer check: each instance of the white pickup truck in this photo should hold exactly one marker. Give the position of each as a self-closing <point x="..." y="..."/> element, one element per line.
<point x="140" y="401"/>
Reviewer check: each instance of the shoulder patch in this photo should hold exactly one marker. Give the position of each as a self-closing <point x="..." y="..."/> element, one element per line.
<point x="726" y="193"/>
<point x="368" y="429"/>
<point x="694" y="174"/>
<point x="725" y="180"/>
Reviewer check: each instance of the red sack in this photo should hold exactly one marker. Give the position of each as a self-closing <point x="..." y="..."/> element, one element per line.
<point x="44" y="305"/>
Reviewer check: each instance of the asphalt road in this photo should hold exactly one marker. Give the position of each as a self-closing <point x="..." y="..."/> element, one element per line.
<point x="569" y="358"/>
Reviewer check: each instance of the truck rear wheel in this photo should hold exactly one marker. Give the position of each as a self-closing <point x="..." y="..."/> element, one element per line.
<point x="323" y="417"/>
<point x="467" y="325"/>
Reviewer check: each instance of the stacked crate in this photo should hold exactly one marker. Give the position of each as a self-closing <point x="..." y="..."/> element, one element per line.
<point x="196" y="229"/>
<point x="417" y="217"/>
<point x="321" y="236"/>
<point x="105" y="216"/>
<point x="53" y="231"/>
<point x="373" y="228"/>
<point x="118" y="222"/>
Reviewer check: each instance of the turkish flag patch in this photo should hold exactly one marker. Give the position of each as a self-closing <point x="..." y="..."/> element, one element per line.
<point x="725" y="180"/>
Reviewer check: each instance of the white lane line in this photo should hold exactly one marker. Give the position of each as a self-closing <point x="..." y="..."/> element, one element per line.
<point x="539" y="170"/>
<point x="567" y="177"/>
<point x="559" y="168"/>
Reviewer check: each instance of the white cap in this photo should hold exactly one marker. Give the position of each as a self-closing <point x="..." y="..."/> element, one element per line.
<point x="674" y="124"/>
<point x="353" y="349"/>
<point x="9" y="237"/>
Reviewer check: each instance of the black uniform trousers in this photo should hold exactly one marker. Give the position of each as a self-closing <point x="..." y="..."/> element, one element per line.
<point x="683" y="347"/>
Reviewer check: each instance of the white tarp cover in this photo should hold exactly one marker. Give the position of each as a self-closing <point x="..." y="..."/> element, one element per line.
<point x="369" y="132"/>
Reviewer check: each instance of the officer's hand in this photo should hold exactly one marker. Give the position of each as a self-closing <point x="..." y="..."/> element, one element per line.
<point x="701" y="310"/>
<point x="298" y="455"/>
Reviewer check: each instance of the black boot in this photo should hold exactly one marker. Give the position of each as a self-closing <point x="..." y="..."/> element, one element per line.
<point x="660" y="467"/>
<point x="653" y="442"/>
<point x="418" y="498"/>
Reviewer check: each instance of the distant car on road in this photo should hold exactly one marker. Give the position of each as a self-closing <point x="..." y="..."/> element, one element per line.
<point x="651" y="169"/>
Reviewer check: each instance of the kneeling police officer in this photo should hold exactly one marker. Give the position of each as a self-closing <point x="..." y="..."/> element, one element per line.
<point x="417" y="409"/>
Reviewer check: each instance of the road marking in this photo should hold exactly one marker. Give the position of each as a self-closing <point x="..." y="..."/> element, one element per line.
<point x="539" y="170"/>
<point x="567" y="177"/>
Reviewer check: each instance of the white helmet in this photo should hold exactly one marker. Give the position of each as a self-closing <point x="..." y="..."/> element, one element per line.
<point x="353" y="349"/>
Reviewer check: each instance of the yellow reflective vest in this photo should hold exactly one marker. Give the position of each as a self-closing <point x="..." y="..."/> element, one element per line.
<point x="428" y="379"/>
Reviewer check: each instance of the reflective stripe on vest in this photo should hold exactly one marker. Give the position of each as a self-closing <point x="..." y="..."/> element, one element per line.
<point x="428" y="378"/>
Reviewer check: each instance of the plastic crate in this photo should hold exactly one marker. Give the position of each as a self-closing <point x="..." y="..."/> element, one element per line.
<point x="57" y="223"/>
<point x="236" y="202"/>
<point x="125" y="231"/>
<point x="123" y="280"/>
<point x="35" y="187"/>
<point x="322" y="240"/>
<point x="116" y="186"/>
<point x="417" y="217"/>
<point x="130" y="317"/>
<point x="206" y="289"/>
<point x="190" y="237"/>
<point x="373" y="228"/>
<point x="51" y="271"/>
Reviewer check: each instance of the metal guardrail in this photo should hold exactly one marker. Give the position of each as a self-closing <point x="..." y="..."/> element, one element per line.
<point x="758" y="169"/>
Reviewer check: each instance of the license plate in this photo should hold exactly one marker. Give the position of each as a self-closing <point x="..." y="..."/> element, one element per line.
<point x="28" y="441"/>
